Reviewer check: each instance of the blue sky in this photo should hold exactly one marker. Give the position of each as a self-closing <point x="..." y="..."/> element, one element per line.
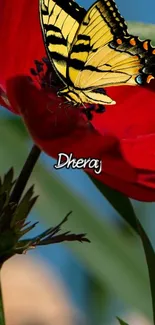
<point x="135" y="10"/>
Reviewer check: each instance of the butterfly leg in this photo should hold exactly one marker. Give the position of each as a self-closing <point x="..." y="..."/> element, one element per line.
<point x="89" y="115"/>
<point x="88" y="112"/>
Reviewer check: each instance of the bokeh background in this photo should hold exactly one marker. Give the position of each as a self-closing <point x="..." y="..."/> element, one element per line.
<point x="108" y="277"/>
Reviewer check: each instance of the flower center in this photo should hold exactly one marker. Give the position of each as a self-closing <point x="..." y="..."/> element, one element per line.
<point x="46" y="78"/>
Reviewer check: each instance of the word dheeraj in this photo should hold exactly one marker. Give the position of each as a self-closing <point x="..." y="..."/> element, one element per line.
<point x="68" y="161"/>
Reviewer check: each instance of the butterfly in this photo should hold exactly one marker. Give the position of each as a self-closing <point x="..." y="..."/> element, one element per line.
<point x="91" y="50"/>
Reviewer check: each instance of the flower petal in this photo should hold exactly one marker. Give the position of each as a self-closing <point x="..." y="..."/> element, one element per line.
<point x="20" y="38"/>
<point x="140" y="152"/>
<point x="143" y="190"/>
<point x="134" y="112"/>
<point x="56" y="128"/>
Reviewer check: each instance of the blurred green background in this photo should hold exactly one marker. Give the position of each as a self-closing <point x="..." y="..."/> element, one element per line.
<point x="108" y="277"/>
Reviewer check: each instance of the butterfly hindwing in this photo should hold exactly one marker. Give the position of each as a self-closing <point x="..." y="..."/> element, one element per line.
<point x="60" y="21"/>
<point x="96" y="64"/>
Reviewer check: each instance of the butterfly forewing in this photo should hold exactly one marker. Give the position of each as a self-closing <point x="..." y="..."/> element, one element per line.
<point x="60" y="21"/>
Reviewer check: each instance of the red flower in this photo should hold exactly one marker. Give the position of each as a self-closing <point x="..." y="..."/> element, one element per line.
<point x="123" y="136"/>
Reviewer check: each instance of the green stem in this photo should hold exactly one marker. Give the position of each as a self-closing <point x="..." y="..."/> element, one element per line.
<point x="2" y="317"/>
<point x="25" y="174"/>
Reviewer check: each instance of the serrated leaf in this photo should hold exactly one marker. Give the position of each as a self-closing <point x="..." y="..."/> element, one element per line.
<point x="26" y="230"/>
<point x="24" y="206"/>
<point x="53" y="230"/>
<point x="67" y="236"/>
<point x="3" y="199"/>
<point x="119" y="201"/>
<point x="7" y="182"/>
<point x="6" y="216"/>
<point x="5" y="188"/>
<point x="121" y="321"/>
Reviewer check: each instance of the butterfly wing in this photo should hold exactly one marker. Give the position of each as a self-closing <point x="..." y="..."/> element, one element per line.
<point x="60" y="21"/>
<point x="103" y="53"/>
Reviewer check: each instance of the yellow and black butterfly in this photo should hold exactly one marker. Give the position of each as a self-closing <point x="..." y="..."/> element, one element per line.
<point x="93" y="50"/>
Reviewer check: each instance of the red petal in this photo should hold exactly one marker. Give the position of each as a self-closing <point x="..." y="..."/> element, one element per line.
<point x="140" y="152"/>
<point x="70" y="133"/>
<point x="20" y="37"/>
<point x="133" y="115"/>
<point x="137" y="191"/>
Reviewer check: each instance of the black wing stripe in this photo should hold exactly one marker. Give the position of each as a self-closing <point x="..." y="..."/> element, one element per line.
<point x="79" y="65"/>
<point x="83" y="37"/>
<point x="59" y="57"/>
<point x="81" y="48"/>
<point x="53" y="28"/>
<point x="53" y="39"/>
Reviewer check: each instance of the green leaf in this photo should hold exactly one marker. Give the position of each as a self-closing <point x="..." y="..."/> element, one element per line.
<point x="111" y="258"/>
<point x="150" y="258"/>
<point x="3" y="200"/>
<point x="7" y="183"/>
<point x="144" y="31"/>
<point x="119" y="201"/>
<point x="121" y="321"/>
<point x="98" y="300"/>
<point x="24" y="206"/>
<point x="5" y="188"/>
<point x="8" y="180"/>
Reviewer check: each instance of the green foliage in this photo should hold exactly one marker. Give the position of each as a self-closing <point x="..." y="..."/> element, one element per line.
<point x="111" y="258"/>
<point x="121" y="321"/>
<point x="25" y="206"/>
<point x="123" y="206"/>
<point x="144" y="31"/>
<point x="150" y="258"/>
<point x="120" y="202"/>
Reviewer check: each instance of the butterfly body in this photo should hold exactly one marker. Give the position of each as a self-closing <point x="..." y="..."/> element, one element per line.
<point x="92" y="50"/>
